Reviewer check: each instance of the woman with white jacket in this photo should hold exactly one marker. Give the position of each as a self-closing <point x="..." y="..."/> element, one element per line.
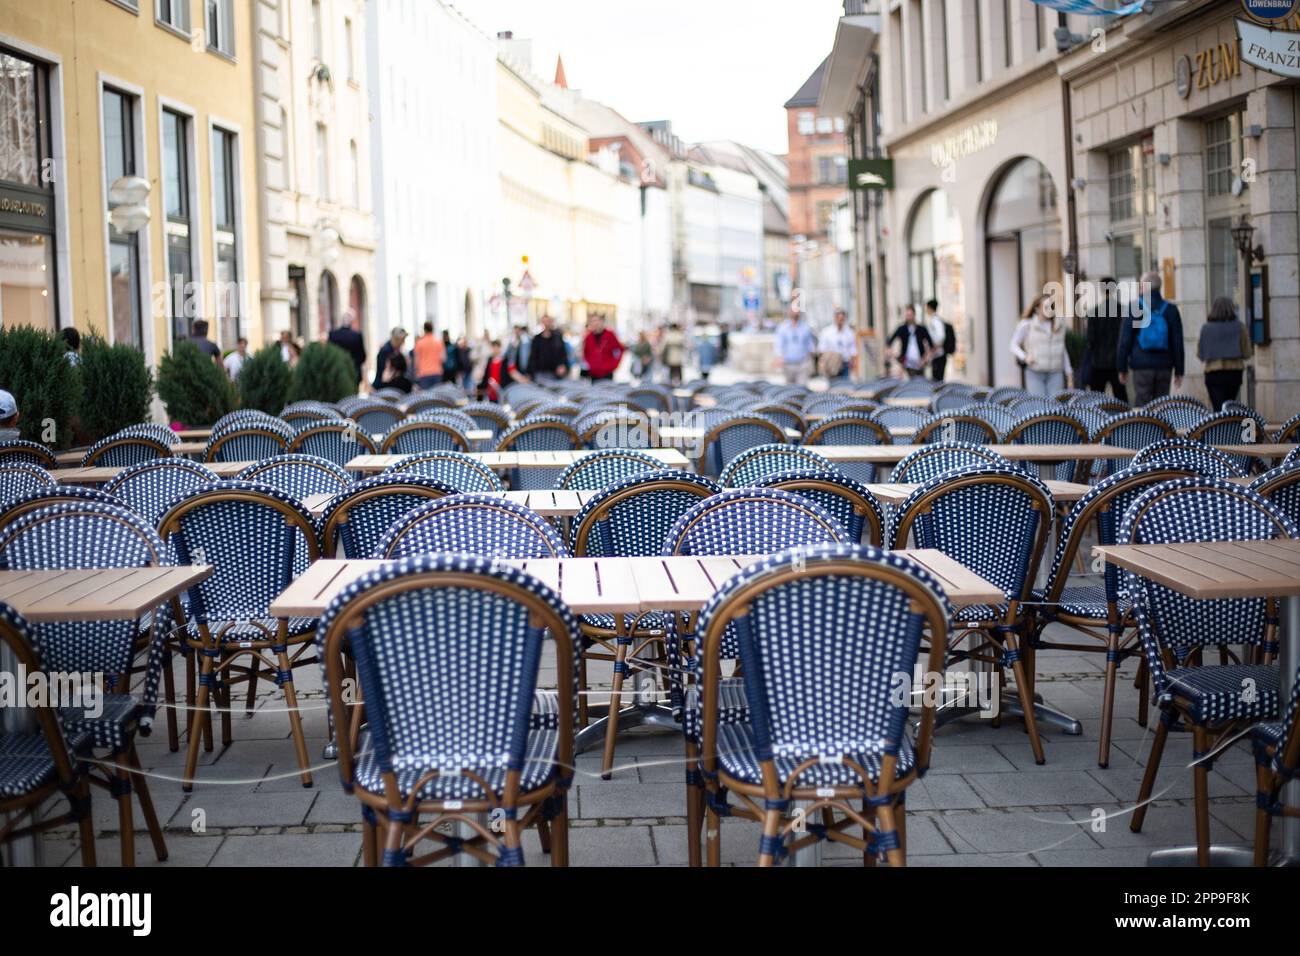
<point x="1039" y="346"/>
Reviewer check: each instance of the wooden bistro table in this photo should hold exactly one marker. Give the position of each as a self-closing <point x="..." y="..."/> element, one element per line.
<point x="103" y="594"/>
<point x="1229" y="569"/>
<point x="101" y="474"/>
<point x="505" y="460"/>
<point x="548" y="504"/>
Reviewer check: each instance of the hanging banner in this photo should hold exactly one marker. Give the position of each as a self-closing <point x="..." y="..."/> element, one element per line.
<point x="1274" y="51"/>
<point x="1090" y="8"/>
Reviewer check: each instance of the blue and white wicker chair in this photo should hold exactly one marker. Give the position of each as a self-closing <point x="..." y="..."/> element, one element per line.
<point x="1177" y="631"/>
<point x="1231" y="428"/>
<point x="822" y="721"/>
<point x="1000" y="417"/>
<point x="1052" y="428"/>
<point x="896" y="416"/>
<point x="375" y="417"/>
<point x="338" y="440"/>
<point x="251" y="535"/>
<point x="565" y="410"/>
<point x="299" y="475"/>
<point x="17" y="451"/>
<point x="121" y="450"/>
<point x="1277" y="762"/>
<point x="940" y="457"/>
<point x="447" y="416"/>
<point x="1290" y="430"/>
<point x="746" y="521"/>
<point x="242" y="416"/>
<point x="1133" y="430"/>
<point x="40" y="764"/>
<point x="472" y="735"/>
<point x="959" y="426"/>
<point x="547" y="433"/>
<point x="1183" y="451"/>
<point x="1005" y="395"/>
<point x="624" y="427"/>
<point x="1098" y="612"/>
<point x="1292" y="457"/>
<point x="489" y="416"/>
<point x="654" y="398"/>
<point x="149" y="488"/>
<point x="725" y="439"/>
<point x="852" y="428"/>
<point x="84" y="535"/>
<point x="162" y="433"/>
<point x="849" y="501"/>
<point x="1181" y="413"/>
<point x="826" y="404"/>
<point x="995" y="522"/>
<point x="763" y="460"/>
<point x="428" y="402"/>
<point x="473" y="524"/>
<point x="1033" y="405"/>
<point x="600" y="469"/>
<point x="300" y="413"/>
<point x="787" y="416"/>
<point x="249" y="440"/>
<point x="357" y="518"/>
<point x="629" y="518"/>
<point x="19" y="479"/>
<point x="1281" y="486"/>
<point x="15" y="509"/>
<point x="454" y="469"/>
<point x="414" y="435"/>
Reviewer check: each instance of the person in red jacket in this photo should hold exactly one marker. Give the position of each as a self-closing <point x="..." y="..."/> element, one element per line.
<point x="498" y="373"/>
<point x="601" y="349"/>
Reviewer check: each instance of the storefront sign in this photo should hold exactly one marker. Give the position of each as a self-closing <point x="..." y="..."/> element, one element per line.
<point x="871" y="173"/>
<point x="1273" y="51"/>
<point x="1271" y="12"/>
<point x="25" y="208"/>
<point x="972" y="139"/>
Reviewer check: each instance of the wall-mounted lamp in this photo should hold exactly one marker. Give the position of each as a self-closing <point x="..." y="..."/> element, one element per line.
<point x="1164" y="159"/>
<point x="1254" y="131"/>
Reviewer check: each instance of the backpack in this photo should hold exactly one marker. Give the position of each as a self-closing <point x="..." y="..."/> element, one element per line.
<point x="1154" y="336"/>
<point x="949" y="339"/>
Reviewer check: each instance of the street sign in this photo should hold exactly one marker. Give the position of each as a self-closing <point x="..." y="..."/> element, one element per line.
<point x="1269" y="12"/>
<point x="1273" y="51"/>
<point x="871" y="173"/>
<point x="526" y="283"/>
<point x="752" y="300"/>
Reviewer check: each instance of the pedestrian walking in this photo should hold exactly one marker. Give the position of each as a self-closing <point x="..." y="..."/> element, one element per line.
<point x="837" y="348"/>
<point x="601" y="350"/>
<point x="1223" y="347"/>
<point x="234" y="362"/>
<point x="643" y="357"/>
<point x="348" y="337"/>
<point x="794" y="348"/>
<point x="547" y="357"/>
<point x="428" y="357"/>
<point x="1103" y="342"/>
<point x="205" y="345"/>
<point x="943" y="337"/>
<point x="1151" y="345"/>
<point x="911" y="344"/>
<point x="394" y="345"/>
<point x="1038" y="344"/>
<point x="674" y="352"/>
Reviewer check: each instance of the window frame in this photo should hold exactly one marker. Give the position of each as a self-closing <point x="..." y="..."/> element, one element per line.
<point x="183" y="7"/>
<point x="193" y="199"/>
<point x="141" y="242"/>
<point x="235" y="191"/>
<point x="225" y="45"/>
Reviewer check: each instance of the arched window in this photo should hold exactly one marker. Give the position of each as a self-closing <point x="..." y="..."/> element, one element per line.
<point x="327" y="303"/>
<point x="357" y="299"/>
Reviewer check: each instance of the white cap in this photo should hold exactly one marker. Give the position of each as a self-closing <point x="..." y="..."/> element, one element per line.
<point x="8" y="407"/>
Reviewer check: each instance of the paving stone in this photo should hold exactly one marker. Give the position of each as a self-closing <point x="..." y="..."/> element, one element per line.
<point x="335" y="807"/>
<point x="1048" y="788"/>
<point x="181" y="851"/>
<point x="319" y="849"/>
<point x="610" y="799"/>
<point x="947" y="792"/>
<point x="611" y="846"/>
<point x="973" y="859"/>
<point x="1020" y="831"/>
<point x="227" y="808"/>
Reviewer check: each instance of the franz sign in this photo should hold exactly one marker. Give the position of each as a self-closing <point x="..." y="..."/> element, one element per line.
<point x="1262" y="44"/>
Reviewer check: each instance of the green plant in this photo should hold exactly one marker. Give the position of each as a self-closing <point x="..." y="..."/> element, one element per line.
<point x="34" y="368"/>
<point x="264" y="381"/>
<point x="194" y="388"/>
<point x="1075" y="345"/>
<point x="116" y="387"/>
<point x="324" y="373"/>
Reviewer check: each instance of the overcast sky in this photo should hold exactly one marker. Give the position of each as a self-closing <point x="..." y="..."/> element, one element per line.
<point x="719" y="69"/>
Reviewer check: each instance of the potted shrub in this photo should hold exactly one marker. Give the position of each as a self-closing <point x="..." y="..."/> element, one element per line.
<point x="194" y="389"/>
<point x="324" y="373"/>
<point x="116" y="387"/>
<point x="264" y="380"/>
<point x="35" y="369"/>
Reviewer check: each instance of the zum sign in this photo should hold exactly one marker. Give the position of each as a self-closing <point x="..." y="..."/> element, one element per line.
<point x="1217" y="64"/>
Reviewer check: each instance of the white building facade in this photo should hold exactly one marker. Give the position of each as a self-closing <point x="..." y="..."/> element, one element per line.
<point x="433" y="168"/>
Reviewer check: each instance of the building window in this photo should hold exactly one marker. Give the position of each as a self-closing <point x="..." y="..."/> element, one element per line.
<point x="1006" y="32"/>
<point x="220" y="21"/>
<point x="123" y="249"/>
<point x="27" y="287"/>
<point x="317" y="32"/>
<point x="825" y="213"/>
<point x="298" y="303"/>
<point x="977" y="28"/>
<point x="225" y="216"/>
<point x="807" y="123"/>
<point x="1131" y="175"/>
<point x="824" y="124"/>
<point x="1038" y="27"/>
<point x="943" y="46"/>
<point x="348" y="52"/>
<point x="174" y="13"/>
<point x="322" y="162"/>
<point x="923" y="61"/>
<point x="327" y="303"/>
<point x="1224" y="152"/>
<point x="177" y="145"/>
<point x="825" y="169"/>
<point x="355" y="158"/>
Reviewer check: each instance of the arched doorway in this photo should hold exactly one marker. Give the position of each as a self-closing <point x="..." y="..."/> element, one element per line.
<point x="357" y="298"/>
<point x="934" y="263"/>
<point x="1022" y="254"/>
<point x="327" y="303"/>
<point x="471" y="328"/>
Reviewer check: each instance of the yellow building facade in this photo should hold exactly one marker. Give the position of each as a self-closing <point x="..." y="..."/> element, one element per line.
<point x="109" y="109"/>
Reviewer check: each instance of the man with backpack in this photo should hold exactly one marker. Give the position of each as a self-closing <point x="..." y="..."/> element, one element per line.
<point x="943" y="335"/>
<point x="1151" y="344"/>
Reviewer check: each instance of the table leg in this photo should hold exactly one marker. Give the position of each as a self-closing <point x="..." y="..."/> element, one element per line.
<point x="24" y="851"/>
<point x="467" y="832"/>
<point x="810" y="855"/>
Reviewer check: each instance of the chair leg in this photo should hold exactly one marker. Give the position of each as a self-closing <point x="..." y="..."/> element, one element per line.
<point x="560" y="832"/>
<point x="369" y="843"/>
<point x="393" y="834"/>
<point x="900" y="823"/>
<point x="582" y="691"/>
<point x="141" y="786"/>
<point x="713" y="834"/>
<point x="251" y="699"/>
<point x="1108" y="699"/>
<point x="694" y="815"/>
<point x="1025" y="689"/>
<point x="295" y="718"/>
<point x="222" y="698"/>
<point x="125" y="818"/>
<point x="1263" y="818"/>
<point x="771" y="831"/>
<point x="615" y="703"/>
<point x="86" y="824"/>
<point x="1149" y="777"/>
<point x="1201" y="788"/>
<point x="868" y="856"/>
<point x="199" y="718"/>
<point x="511" y="839"/>
<point x="1141" y="683"/>
<point x="885" y="821"/>
<point x="169" y="702"/>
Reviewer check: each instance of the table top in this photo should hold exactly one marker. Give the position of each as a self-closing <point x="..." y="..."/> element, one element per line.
<point x="100" y="594"/>
<point x="618" y="585"/>
<point x="905" y="401"/>
<point x="548" y="504"/>
<point x="1214" y="569"/>
<point x="370" y="464"/>
<point x="1260" y="450"/>
<point x="895" y="493"/>
<point x="892" y="454"/>
<point x="101" y="474"/>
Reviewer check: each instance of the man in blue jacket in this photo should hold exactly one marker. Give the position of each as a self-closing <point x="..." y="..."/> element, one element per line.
<point x="1152" y="346"/>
